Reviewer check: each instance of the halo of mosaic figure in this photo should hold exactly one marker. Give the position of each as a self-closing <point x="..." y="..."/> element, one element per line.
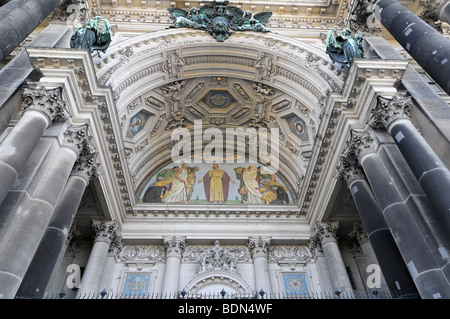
<point x="94" y="36"/>
<point x="344" y="47"/>
<point x="218" y="18"/>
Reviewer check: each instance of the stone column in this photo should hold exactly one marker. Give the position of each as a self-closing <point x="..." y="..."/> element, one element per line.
<point x="384" y="250"/>
<point x="175" y="247"/>
<point x="412" y="235"/>
<point x="427" y="46"/>
<point x="325" y="234"/>
<point x="52" y="244"/>
<point x="43" y="107"/>
<point x="18" y="18"/>
<point x="19" y="247"/>
<point x="259" y="249"/>
<point x="107" y="236"/>
<point x="431" y="173"/>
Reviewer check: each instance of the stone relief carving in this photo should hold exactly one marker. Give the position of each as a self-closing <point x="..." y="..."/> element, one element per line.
<point x="265" y="66"/>
<point x="143" y="253"/>
<point x="284" y="253"/>
<point x="173" y="64"/>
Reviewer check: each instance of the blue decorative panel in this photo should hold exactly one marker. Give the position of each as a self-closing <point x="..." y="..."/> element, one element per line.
<point x="137" y="123"/>
<point x="295" y="284"/>
<point x="218" y="99"/>
<point x="136" y="284"/>
<point x="297" y="126"/>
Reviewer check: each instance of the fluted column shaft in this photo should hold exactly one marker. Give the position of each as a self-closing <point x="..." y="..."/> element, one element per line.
<point x="175" y="247"/>
<point x="259" y="248"/>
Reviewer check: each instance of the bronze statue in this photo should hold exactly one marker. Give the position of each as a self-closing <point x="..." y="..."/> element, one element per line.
<point x="95" y="36"/>
<point x="218" y="18"/>
<point x="345" y="47"/>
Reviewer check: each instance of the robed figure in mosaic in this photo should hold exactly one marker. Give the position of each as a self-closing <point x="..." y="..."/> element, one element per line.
<point x="216" y="183"/>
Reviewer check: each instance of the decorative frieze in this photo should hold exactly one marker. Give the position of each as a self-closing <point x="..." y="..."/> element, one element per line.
<point x="141" y="253"/>
<point x="48" y="101"/>
<point x="289" y="254"/>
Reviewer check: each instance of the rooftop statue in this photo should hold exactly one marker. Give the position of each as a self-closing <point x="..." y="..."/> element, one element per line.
<point x="218" y="18"/>
<point x="96" y="35"/>
<point x="345" y="47"/>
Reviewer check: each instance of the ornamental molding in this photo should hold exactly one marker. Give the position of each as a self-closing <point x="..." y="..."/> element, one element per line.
<point x="48" y="101"/>
<point x="287" y="254"/>
<point x="389" y="110"/>
<point x="142" y="254"/>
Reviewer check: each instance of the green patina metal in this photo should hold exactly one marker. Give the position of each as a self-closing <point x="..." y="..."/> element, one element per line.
<point x="218" y="18"/>
<point x="345" y="47"/>
<point x="95" y="36"/>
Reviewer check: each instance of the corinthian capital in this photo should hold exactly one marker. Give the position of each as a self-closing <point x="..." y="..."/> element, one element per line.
<point x="87" y="166"/>
<point x="348" y="169"/>
<point x="259" y="247"/>
<point x="325" y="232"/>
<point x="361" y="143"/>
<point x="388" y="111"/>
<point x="359" y="233"/>
<point x="107" y="232"/>
<point x="78" y="139"/>
<point x="175" y="246"/>
<point x="47" y="101"/>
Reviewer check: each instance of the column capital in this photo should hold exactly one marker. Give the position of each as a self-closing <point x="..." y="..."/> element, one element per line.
<point x="361" y="143"/>
<point x="46" y="101"/>
<point x="348" y="169"/>
<point x="389" y="110"/>
<point x="324" y="233"/>
<point x="107" y="231"/>
<point x="87" y="167"/>
<point x="77" y="138"/>
<point x="174" y="246"/>
<point x="359" y="233"/>
<point x="259" y="246"/>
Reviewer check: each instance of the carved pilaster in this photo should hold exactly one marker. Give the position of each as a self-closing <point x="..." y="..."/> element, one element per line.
<point x="388" y="111"/>
<point x="259" y="247"/>
<point x="47" y="101"/>
<point x="109" y="233"/>
<point x="174" y="246"/>
<point x="324" y="233"/>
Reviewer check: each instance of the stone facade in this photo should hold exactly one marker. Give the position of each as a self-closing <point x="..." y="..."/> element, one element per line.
<point x="362" y="154"/>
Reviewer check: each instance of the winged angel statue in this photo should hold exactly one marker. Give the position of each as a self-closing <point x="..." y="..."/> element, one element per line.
<point x="345" y="47"/>
<point x="218" y="18"/>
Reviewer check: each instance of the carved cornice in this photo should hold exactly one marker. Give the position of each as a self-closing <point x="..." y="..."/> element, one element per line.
<point x="48" y="101"/>
<point x="109" y="233"/>
<point x="389" y="110"/>
<point x="174" y="246"/>
<point x="259" y="247"/>
<point x="324" y="233"/>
